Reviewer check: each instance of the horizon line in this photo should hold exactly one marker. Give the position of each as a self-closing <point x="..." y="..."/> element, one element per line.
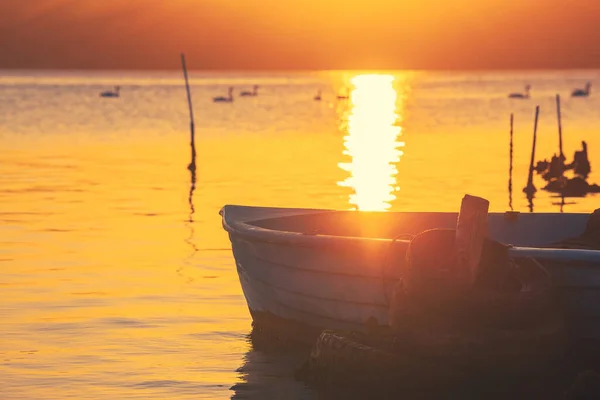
<point x="304" y="70"/>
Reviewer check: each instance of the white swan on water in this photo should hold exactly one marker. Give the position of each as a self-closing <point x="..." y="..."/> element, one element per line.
<point x="582" y="92"/>
<point x="343" y="96"/>
<point x="254" y="92"/>
<point x="521" y="95"/>
<point x="223" y="99"/>
<point x="111" y="93"/>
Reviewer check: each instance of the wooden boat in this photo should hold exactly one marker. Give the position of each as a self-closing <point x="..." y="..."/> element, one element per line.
<point x="324" y="269"/>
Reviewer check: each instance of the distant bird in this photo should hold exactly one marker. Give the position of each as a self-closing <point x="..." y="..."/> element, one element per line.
<point x="582" y="92"/>
<point x="110" y="93"/>
<point x="254" y="92"/>
<point x="318" y="96"/>
<point x="222" y="99"/>
<point x="521" y="95"/>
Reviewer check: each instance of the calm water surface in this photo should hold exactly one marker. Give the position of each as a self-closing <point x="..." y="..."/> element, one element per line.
<point x="118" y="281"/>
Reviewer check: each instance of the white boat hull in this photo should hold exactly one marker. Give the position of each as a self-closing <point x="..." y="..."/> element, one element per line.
<point x="341" y="282"/>
<point x="294" y="288"/>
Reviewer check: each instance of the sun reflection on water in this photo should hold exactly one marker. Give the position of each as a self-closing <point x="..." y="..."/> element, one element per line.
<point x="373" y="129"/>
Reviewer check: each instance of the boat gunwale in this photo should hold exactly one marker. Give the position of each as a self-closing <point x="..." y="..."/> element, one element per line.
<point x="248" y="231"/>
<point x="243" y="229"/>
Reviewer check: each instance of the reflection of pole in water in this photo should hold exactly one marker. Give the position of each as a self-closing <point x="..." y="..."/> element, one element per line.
<point x="563" y="203"/>
<point x="192" y="168"/>
<point x="530" y="189"/>
<point x="530" y="201"/>
<point x="510" y="168"/>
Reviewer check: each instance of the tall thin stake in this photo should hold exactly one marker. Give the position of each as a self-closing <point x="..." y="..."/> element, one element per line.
<point x="530" y="188"/>
<point x="510" y="168"/>
<point x="192" y="166"/>
<point x="560" y="142"/>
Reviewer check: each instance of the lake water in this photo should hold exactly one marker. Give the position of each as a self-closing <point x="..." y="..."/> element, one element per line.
<point x="118" y="282"/>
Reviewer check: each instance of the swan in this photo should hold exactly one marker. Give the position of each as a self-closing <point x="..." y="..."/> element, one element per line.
<point x="222" y="99"/>
<point x="110" y="93"/>
<point x="582" y="92"/>
<point x="254" y="92"/>
<point x="318" y="96"/>
<point x="521" y="95"/>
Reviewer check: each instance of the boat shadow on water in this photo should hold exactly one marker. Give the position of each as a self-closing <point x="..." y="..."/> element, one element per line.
<point x="272" y="369"/>
<point x="275" y="369"/>
<point x="270" y="375"/>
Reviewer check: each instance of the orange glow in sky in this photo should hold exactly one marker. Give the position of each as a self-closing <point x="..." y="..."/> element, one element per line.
<point x="300" y="34"/>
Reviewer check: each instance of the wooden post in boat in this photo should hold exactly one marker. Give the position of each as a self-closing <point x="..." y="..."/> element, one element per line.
<point x="530" y="188"/>
<point x="560" y="142"/>
<point x="471" y="230"/>
<point x="510" y="167"/>
<point x="192" y="166"/>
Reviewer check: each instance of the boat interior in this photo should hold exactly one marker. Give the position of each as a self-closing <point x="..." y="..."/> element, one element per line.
<point x="538" y="229"/>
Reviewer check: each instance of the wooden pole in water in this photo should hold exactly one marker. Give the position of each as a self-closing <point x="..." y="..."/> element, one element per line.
<point x="192" y="166"/>
<point x="510" y="168"/>
<point x="560" y="142"/>
<point x="530" y="188"/>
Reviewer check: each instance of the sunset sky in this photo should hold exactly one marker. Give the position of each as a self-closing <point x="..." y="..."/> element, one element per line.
<point x="300" y="34"/>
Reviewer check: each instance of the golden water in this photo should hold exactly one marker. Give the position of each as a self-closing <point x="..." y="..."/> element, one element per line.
<point x="116" y="283"/>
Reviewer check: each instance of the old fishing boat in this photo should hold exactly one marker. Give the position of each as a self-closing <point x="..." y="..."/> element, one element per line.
<point x="324" y="269"/>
